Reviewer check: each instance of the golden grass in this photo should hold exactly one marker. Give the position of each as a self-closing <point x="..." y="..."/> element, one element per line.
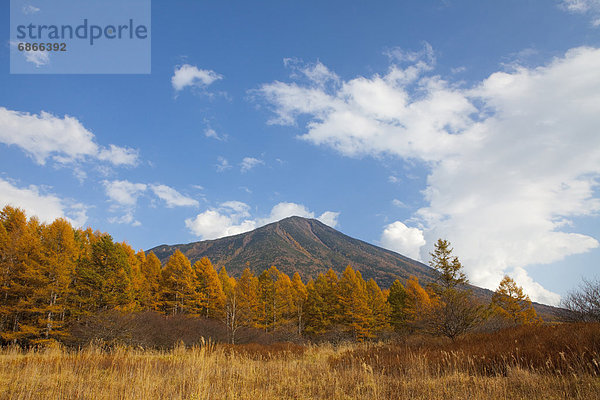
<point x="263" y="372"/>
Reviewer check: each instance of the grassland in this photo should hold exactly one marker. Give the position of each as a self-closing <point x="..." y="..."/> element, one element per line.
<point x="546" y="362"/>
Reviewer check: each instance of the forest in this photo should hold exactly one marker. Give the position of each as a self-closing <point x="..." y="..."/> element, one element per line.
<point x="72" y="286"/>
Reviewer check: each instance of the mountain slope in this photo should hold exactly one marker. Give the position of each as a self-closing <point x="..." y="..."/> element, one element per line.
<point x="309" y="247"/>
<point x="304" y="245"/>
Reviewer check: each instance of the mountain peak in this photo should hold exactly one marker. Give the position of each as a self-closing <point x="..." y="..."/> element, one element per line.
<point x="304" y="245"/>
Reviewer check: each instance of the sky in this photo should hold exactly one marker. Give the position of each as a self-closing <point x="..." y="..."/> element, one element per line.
<point x="397" y="123"/>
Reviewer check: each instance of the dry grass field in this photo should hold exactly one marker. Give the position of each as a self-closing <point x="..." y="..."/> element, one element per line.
<point x="546" y="362"/>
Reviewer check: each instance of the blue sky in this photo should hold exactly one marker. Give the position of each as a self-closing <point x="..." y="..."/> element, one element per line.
<point x="395" y="122"/>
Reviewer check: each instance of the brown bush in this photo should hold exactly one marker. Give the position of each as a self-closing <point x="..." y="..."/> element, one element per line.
<point x="557" y="349"/>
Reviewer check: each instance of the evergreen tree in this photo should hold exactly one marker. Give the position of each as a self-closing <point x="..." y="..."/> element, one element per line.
<point x="455" y="310"/>
<point x="399" y="303"/>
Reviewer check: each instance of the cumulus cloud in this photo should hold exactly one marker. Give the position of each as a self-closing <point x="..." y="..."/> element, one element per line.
<point x="402" y="239"/>
<point x="124" y="192"/>
<point x="47" y="207"/>
<point x="234" y="217"/>
<point x="65" y="140"/>
<point x="512" y="159"/>
<point x="189" y="75"/>
<point x="250" y="162"/>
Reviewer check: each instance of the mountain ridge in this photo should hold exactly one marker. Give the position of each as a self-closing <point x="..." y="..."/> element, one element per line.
<point x="307" y="246"/>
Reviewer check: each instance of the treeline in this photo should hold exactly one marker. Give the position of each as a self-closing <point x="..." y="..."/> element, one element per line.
<point x="54" y="276"/>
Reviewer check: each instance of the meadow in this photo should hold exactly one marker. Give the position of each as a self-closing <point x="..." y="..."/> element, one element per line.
<point x="528" y="362"/>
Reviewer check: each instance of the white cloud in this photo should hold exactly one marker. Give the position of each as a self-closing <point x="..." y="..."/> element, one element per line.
<point x="284" y="210"/>
<point x="402" y="239"/>
<point x="29" y="9"/>
<point x="590" y="7"/>
<point x="581" y="6"/>
<point x="47" y="207"/>
<point x="39" y="58"/>
<point x="329" y="218"/>
<point x="127" y="219"/>
<point x="125" y="195"/>
<point x="510" y="159"/>
<point x="399" y="204"/>
<point x="223" y="164"/>
<point x="233" y="217"/>
<point x="211" y="133"/>
<point x="190" y="75"/>
<point x="316" y="73"/>
<point x="123" y="192"/>
<point x="250" y="162"/>
<point x="65" y="140"/>
<point x="172" y="197"/>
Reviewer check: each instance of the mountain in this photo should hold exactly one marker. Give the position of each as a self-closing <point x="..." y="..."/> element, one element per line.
<point x="304" y="245"/>
<point x="309" y="247"/>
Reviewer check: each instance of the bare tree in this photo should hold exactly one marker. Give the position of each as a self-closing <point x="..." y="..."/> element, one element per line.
<point x="584" y="303"/>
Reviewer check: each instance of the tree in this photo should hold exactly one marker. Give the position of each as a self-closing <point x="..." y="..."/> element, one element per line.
<point x="513" y="304"/>
<point x="209" y="289"/>
<point x="246" y="292"/>
<point x="231" y="316"/>
<point x="584" y="303"/>
<point x="151" y="269"/>
<point x="21" y="258"/>
<point x="284" y="301"/>
<point x="454" y="310"/>
<point x="418" y="302"/>
<point x="57" y="270"/>
<point x="266" y="291"/>
<point x="356" y="314"/>
<point x="380" y="308"/>
<point x="178" y="286"/>
<point x="398" y="303"/>
<point x="449" y="268"/>
<point x="299" y="298"/>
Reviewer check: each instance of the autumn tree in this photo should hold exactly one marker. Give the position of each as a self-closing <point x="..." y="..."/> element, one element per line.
<point x="231" y="317"/>
<point x="379" y="307"/>
<point x="510" y="302"/>
<point x="266" y="292"/>
<point x="21" y="277"/>
<point x="284" y="305"/>
<point x="57" y="269"/>
<point x="209" y="289"/>
<point x="418" y="303"/>
<point x="246" y="292"/>
<point x="356" y="314"/>
<point x="151" y="269"/>
<point x="178" y="286"/>
<point x="299" y="300"/>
